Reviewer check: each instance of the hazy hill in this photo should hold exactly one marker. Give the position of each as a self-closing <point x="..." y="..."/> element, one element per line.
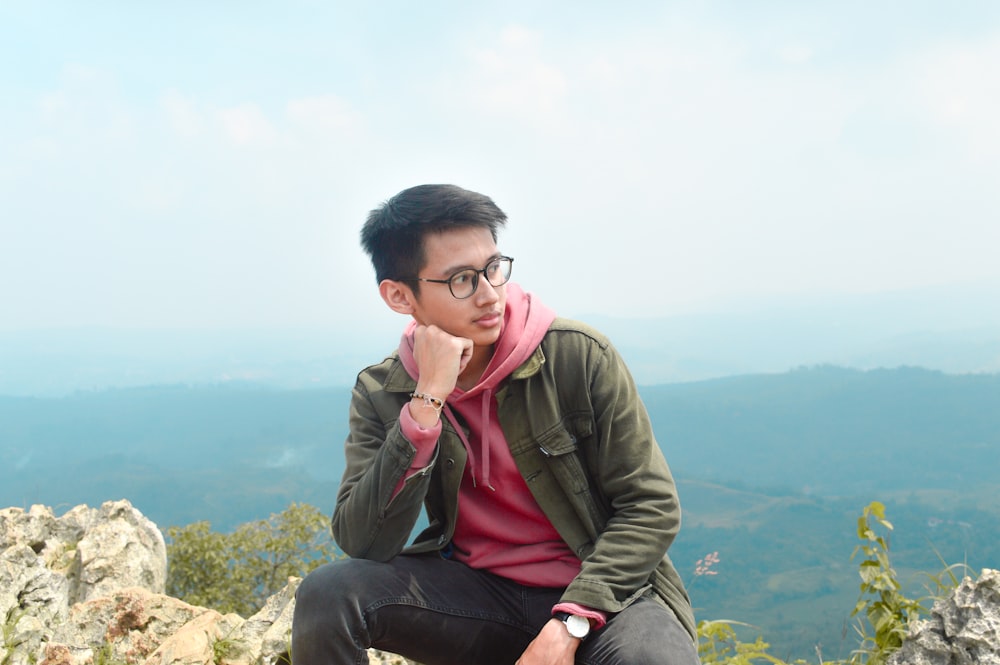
<point x="227" y="454"/>
<point x="951" y="329"/>
<point x="772" y="470"/>
<point x="834" y="431"/>
<point x="230" y="453"/>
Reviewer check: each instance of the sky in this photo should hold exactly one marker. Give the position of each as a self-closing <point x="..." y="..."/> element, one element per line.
<point x="209" y="165"/>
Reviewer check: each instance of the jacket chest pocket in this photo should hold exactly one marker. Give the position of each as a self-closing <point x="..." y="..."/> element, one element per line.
<point x="567" y="451"/>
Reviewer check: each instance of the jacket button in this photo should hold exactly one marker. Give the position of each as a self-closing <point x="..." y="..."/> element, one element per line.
<point x="449" y="463"/>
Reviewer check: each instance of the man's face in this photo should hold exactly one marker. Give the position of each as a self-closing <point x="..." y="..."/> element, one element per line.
<point x="478" y="317"/>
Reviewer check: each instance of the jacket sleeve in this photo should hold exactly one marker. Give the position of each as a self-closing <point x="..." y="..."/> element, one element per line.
<point x="634" y="484"/>
<point x="371" y="519"/>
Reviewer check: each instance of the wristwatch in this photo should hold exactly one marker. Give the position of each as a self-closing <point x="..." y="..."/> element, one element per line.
<point x="578" y="626"/>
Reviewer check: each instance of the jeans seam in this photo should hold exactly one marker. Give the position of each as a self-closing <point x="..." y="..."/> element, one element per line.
<point x="524" y="608"/>
<point x="442" y="609"/>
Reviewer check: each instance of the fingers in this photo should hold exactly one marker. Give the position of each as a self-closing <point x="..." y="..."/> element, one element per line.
<point x="441" y="358"/>
<point x="466" y="354"/>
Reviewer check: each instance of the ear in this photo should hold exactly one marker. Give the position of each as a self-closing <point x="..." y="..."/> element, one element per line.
<point x="397" y="295"/>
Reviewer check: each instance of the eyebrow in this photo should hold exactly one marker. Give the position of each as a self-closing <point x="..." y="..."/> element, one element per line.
<point x="456" y="269"/>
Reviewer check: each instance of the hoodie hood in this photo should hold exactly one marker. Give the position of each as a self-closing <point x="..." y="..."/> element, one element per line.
<point x="526" y="320"/>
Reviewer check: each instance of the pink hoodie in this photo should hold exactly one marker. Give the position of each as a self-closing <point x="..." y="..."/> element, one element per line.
<point x="500" y="527"/>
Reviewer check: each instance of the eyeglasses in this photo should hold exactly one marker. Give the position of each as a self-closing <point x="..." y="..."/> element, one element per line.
<point x="465" y="282"/>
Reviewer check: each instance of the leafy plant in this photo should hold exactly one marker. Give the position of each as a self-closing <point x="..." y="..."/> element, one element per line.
<point x="8" y="634"/>
<point x="226" y="648"/>
<point x="886" y="610"/>
<point x="718" y="644"/>
<point x="237" y="572"/>
<point x="199" y="560"/>
<point x="105" y="655"/>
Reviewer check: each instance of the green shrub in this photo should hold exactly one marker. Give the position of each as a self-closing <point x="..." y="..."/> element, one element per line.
<point x="237" y="572"/>
<point x="884" y="613"/>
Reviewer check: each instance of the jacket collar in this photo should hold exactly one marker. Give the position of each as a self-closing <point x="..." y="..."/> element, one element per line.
<point x="531" y="366"/>
<point x="397" y="380"/>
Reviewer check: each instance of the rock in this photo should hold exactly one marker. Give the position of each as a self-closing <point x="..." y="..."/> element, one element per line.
<point x="88" y="587"/>
<point x="30" y="590"/>
<point x="129" y="625"/>
<point x="95" y="550"/>
<point x="49" y="564"/>
<point x="270" y="629"/>
<point x="963" y="629"/>
<point x="205" y="639"/>
<point x="120" y="548"/>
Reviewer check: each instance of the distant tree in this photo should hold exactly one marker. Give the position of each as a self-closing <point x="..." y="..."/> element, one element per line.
<point x="237" y="572"/>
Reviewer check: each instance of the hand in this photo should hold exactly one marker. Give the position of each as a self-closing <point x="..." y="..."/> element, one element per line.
<point x="553" y="646"/>
<point x="441" y="358"/>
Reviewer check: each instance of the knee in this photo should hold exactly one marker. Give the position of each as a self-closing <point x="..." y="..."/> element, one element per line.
<point x="338" y="583"/>
<point x="323" y="619"/>
<point x="322" y="585"/>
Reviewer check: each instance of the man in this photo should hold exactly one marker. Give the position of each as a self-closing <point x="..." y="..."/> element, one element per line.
<point x="522" y="436"/>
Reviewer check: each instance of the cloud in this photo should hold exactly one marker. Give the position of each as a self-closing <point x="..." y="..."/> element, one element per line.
<point x="86" y="106"/>
<point x="183" y="116"/>
<point x="796" y="53"/>
<point x="286" y="458"/>
<point x="246" y="124"/>
<point x="702" y="155"/>
<point x="324" y="114"/>
<point x="960" y="87"/>
<point x="513" y="78"/>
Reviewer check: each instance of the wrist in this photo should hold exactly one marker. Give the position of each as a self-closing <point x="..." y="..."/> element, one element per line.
<point x="425" y="409"/>
<point x="597" y="618"/>
<point x="576" y="625"/>
<point x="427" y="400"/>
<point x="435" y="389"/>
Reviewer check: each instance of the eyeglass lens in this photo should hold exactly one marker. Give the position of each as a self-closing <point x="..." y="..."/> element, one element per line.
<point x="463" y="284"/>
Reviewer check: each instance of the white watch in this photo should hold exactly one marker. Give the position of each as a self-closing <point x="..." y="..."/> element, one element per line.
<point x="578" y="626"/>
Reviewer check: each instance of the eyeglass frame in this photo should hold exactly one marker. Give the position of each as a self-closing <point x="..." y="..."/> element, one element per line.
<point x="475" y="277"/>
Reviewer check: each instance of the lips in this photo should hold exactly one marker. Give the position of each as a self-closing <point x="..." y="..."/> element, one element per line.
<point x="489" y="320"/>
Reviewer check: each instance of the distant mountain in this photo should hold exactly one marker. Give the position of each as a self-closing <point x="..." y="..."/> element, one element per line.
<point x="227" y="454"/>
<point x="772" y="471"/>
<point x="955" y="330"/>
<point x="834" y="431"/>
<point x="52" y="363"/>
<point x="183" y="453"/>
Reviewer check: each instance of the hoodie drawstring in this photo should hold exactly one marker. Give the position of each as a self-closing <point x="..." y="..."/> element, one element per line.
<point x="485" y="461"/>
<point x="487" y="396"/>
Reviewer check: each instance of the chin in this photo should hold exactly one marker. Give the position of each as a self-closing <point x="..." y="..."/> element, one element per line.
<point x="485" y="337"/>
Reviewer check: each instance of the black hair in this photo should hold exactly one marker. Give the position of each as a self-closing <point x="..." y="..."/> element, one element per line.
<point x="393" y="236"/>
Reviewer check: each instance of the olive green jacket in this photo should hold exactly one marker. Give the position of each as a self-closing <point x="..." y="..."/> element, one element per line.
<point x="580" y="436"/>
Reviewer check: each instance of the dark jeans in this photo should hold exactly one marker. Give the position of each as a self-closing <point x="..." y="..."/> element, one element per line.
<point x="442" y="612"/>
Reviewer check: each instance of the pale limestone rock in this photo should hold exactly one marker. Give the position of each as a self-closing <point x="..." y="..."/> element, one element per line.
<point x="269" y="631"/>
<point x="964" y="627"/>
<point x="207" y="638"/>
<point x="121" y="548"/>
<point x="131" y="623"/>
<point x="27" y="587"/>
<point x="88" y="587"/>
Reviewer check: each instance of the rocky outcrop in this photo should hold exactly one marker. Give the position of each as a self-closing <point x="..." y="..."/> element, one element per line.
<point x="87" y="588"/>
<point x="964" y="627"/>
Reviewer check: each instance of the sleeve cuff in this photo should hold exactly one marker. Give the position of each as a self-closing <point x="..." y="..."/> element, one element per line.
<point x="597" y="618"/>
<point x="422" y="439"/>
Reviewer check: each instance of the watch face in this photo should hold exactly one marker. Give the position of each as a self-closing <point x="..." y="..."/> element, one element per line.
<point x="577" y="626"/>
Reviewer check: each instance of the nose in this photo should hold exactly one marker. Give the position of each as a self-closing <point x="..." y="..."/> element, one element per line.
<point x="486" y="293"/>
